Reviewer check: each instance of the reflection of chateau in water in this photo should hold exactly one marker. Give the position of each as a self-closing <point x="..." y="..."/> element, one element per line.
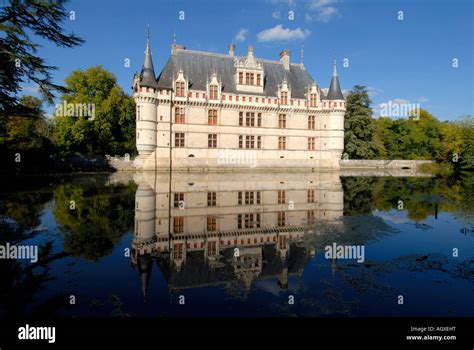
<point x="207" y="229"/>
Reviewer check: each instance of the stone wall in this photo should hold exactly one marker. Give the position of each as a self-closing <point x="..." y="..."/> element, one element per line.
<point x="383" y="164"/>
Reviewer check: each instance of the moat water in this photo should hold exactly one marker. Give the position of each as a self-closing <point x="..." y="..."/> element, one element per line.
<point x="151" y="245"/>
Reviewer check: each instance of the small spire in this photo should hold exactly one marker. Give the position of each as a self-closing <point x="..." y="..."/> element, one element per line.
<point x="147" y="50"/>
<point x="334" y="92"/>
<point x="174" y="37"/>
<point x="147" y="75"/>
<point x="302" y="55"/>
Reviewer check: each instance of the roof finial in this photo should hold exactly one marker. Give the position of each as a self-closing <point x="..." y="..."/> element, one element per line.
<point x="334" y="72"/>
<point x="174" y="37"/>
<point x="148" y="51"/>
<point x="302" y="54"/>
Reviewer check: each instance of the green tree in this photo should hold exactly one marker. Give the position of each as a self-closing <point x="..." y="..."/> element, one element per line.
<point x="111" y="128"/>
<point x="359" y="138"/>
<point x="467" y="148"/>
<point x="19" y="19"/>
<point x="29" y="131"/>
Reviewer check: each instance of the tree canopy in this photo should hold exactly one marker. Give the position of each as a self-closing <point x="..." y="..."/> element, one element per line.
<point x="19" y="19"/>
<point x="111" y="130"/>
<point x="359" y="137"/>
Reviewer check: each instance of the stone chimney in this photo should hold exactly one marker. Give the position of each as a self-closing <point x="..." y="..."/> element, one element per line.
<point x="231" y="50"/>
<point x="285" y="59"/>
<point x="250" y="53"/>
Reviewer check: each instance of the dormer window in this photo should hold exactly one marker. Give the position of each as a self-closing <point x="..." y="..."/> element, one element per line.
<point x="180" y="89"/>
<point x="213" y="92"/>
<point x="249" y="76"/>
<point x="313" y="100"/>
<point x="284" y="98"/>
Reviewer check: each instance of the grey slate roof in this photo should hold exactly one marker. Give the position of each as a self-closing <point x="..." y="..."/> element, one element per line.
<point x="147" y="75"/>
<point x="334" y="92"/>
<point x="198" y="67"/>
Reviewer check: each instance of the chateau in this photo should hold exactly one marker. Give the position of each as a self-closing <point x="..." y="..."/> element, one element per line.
<point x="214" y="110"/>
<point x="193" y="229"/>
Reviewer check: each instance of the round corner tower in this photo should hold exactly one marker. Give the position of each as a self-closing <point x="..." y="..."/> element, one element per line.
<point x="337" y="110"/>
<point x="145" y="94"/>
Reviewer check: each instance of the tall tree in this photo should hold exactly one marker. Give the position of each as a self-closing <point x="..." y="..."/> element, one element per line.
<point x="18" y="53"/>
<point x="359" y="138"/>
<point x="467" y="149"/>
<point x="111" y="128"/>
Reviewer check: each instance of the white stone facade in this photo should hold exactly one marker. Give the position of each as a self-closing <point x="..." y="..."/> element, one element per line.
<point x="186" y="125"/>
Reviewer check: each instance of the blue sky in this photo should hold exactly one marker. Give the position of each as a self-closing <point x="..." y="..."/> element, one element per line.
<point x="409" y="59"/>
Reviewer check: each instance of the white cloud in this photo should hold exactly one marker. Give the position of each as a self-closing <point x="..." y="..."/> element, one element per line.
<point x="325" y="14"/>
<point x="240" y="36"/>
<point x="285" y="2"/>
<point x="316" y="4"/>
<point x="372" y="91"/>
<point x="278" y="33"/>
<point x="276" y="15"/>
<point x="323" y="11"/>
<point x="423" y="99"/>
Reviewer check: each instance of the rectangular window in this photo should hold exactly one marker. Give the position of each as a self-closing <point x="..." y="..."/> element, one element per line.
<point x="138" y="112"/>
<point x="310" y="217"/>
<point x="281" y="197"/>
<point x="241" y="78"/>
<point x="211" y="223"/>
<point x="179" y="139"/>
<point x="180" y="89"/>
<point x="247" y="78"/>
<point x="281" y="142"/>
<point x="178" y="224"/>
<point x="178" y="198"/>
<point x="281" y="218"/>
<point x="178" y="250"/>
<point x="213" y="92"/>
<point x="241" y="141"/>
<point x="284" y="98"/>
<point x="211" y="199"/>
<point x="258" y="197"/>
<point x="259" y="80"/>
<point x="241" y="118"/>
<point x="239" y="198"/>
<point x="239" y="221"/>
<point x="310" y="196"/>
<point x="251" y="79"/>
<point x="259" y="119"/>
<point x="212" y="247"/>
<point x="259" y="142"/>
<point x="179" y="115"/>
<point x="212" y="117"/>
<point x="311" y="143"/>
<point x="212" y="140"/>
<point x="282" y="121"/>
<point x="311" y="122"/>
<point x="313" y="100"/>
